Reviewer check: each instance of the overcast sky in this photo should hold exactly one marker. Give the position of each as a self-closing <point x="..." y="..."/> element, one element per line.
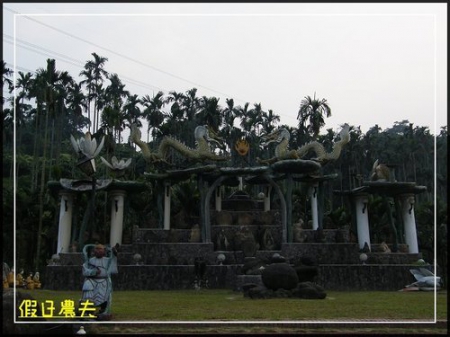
<point x="375" y="63"/>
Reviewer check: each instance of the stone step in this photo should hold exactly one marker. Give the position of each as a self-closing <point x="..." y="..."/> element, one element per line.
<point x="185" y="254"/>
<point x="342" y="277"/>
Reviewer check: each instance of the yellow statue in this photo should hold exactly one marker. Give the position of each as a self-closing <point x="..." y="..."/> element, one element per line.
<point x="20" y="281"/>
<point x="30" y="282"/>
<point x="37" y="281"/>
<point x="11" y="278"/>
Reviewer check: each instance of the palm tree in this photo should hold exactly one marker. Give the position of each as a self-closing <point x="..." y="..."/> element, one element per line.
<point x="190" y="104"/>
<point x="153" y="112"/>
<point x="132" y="111"/>
<point x="269" y="121"/>
<point x="210" y="112"/>
<point x="88" y="82"/>
<point x="114" y="96"/>
<point x="23" y="83"/>
<point x="46" y="79"/>
<point x="230" y="112"/>
<point x="76" y="102"/>
<point x="112" y="120"/>
<point x="64" y="82"/>
<point x="8" y="114"/>
<point x="176" y="120"/>
<point x="312" y="110"/>
<point x="95" y="74"/>
<point x="250" y="119"/>
<point x="228" y="132"/>
<point x="8" y="130"/>
<point x="6" y="73"/>
<point x="256" y="116"/>
<point x="243" y="115"/>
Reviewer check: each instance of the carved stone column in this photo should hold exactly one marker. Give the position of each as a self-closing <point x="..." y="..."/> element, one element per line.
<point x="268" y="189"/>
<point x="167" y="195"/>
<point x="117" y="205"/>
<point x="65" y="221"/>
<point x="409" y="222"/>
<point x="219" y="198"/>
<point x="315" y="216"/>
<point x="362" y="220"/>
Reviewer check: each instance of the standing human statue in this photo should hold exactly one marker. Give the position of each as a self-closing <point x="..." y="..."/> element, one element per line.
<point x="97" y="270"/>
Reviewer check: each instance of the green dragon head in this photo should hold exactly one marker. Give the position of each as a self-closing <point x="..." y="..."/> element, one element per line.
<point x="208" y="133"/>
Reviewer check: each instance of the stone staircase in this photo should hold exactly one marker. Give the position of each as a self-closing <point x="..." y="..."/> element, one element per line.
<point x="159" y="259"/>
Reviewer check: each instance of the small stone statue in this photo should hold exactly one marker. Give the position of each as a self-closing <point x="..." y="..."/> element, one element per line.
<point x="29" y="282"/>
<point x="20" y="280"/>
<point x="267" y="240"/>
<point x="298" y="233"/>
<point x="200" y="272"/>
<point x="195" y="234"/>
<point x="380" y="172"/>
<point x="319" y="235"/>
<point x="11" y="278"/>
<point x="246" y="241"/>
<point x="37" y="281"/>
<point x="222" y="241"/>
<point x="384" y="248"/>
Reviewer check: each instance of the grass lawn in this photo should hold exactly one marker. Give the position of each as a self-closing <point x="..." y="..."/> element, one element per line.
<point x="131" y="309"/>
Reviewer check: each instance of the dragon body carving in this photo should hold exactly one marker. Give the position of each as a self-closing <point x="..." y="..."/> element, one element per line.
<point x="282" y="152"/>
<point x="203" y="137"/>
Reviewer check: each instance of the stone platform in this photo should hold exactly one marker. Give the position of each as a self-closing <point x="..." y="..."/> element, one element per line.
<point x="171" y="266"/>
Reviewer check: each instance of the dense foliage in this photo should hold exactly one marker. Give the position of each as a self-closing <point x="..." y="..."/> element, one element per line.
<point x="50" y="106"/>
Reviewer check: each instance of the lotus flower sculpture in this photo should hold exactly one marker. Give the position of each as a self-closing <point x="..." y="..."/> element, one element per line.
<point x="87" y="146"/>
<point x="118" y="167"/>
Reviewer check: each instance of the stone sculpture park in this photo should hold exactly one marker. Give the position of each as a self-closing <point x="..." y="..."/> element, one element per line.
<point x="248" y="243"/>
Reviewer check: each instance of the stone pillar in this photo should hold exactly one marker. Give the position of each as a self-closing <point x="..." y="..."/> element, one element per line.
<point x="409" y="222"/>
<point x="219" y="198"/>
<point x="315" y="217"/>
<point x="362" y="220"/>
<point x="267" y="198"/>
<point x="167" y="206"/>
<point x="117" y="201"/>
<point x="65" y="222"/>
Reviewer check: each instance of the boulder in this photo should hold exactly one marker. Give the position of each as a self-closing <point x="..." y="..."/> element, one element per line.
<point x="306" y="273"/>
<point x="282" y="293"/>
<point x="259" y="292"/>
<point x="308" y="290"/>
<point x="253" y="267"/>
<point x="277" y="258"/>
<point x="279" y="275"/>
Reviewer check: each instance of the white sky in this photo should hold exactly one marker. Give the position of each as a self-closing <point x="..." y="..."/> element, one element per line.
<point x="375" y="63"/>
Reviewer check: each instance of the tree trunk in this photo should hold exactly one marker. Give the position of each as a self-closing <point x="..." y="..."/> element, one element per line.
<point x="41" y="193"/>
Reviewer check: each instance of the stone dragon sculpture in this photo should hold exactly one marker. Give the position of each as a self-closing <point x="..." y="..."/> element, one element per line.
<point x="203" y="134"/>
<point x="380" y="172"/>
<point x="282" y="152"/>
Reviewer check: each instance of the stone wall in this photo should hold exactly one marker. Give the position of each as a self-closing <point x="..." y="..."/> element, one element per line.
<point x="145" y="277"/>
<point x="164" y="277"/>
<point x="171" y="265"/>
<point x="365" y="277"/>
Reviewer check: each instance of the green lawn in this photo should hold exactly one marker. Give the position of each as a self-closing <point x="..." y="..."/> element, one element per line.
<point x="226" y="305"/>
